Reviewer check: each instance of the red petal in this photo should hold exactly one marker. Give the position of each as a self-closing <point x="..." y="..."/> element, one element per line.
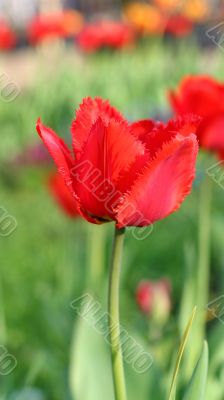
<point x="108" y="153"/>
<point x="200" y="95"/>
<point x="62" y="157"/>
<point x="58" y="150"/>
<point x="90" y="110"/>
<point x="183" y="125"/>
<point x="142" y="128"/>
<point x="62" y="195"/>
<point x="163" y="186"/>
<point x="211" y="133"/>
<point x="155" y="135"/>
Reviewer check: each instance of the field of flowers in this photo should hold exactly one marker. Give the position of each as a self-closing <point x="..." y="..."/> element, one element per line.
<point x="54" y="340"/>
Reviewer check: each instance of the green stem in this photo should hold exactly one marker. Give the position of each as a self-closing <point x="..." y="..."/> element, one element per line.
<point x="96" y="255"/>
<point x="3" y="336"/>
<point x="114" y="324"/>
<point x="204" y="238"/>
<point x="202" y="277"/>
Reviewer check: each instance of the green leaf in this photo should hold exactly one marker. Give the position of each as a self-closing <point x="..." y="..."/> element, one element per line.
<point x="142" y="385"/>
<point x="180" y="355"/>
<point x="197" y="386"/>
<point x="90" y="366"/>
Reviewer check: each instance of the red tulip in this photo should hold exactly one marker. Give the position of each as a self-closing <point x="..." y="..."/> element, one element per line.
<point x="62" y="195"/>
<point x="54" y="25"/>
<point x="134" y="174"/>
<point x="151" y="295"/>
<point x="111" y="34"/>
<point x="178" y="25"/>
<point x="203" y="96"/>
<point x="7" y="36"/>
<point x="44" y="26"/>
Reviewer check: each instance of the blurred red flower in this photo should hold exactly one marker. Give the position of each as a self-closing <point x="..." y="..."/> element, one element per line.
<point x="106" y="33"/>
<point x="151" y="293"/>
<point x="62" y="195"/>
<point x="134" y="174"/>
<point x="178" y="25"/>
<point x="54" y="25"/>
<point x="7" y="36"/>
<point x="202" y="96"/>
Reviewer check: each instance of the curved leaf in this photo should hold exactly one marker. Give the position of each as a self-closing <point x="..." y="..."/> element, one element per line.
<point x="197" y="386"/>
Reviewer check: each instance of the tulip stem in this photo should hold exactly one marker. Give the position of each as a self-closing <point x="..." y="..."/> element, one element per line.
<point x="96" y="253"/>
<point x="204" y="250"/>
<point x="202" y="273"/>
<point x="114" y="324"/>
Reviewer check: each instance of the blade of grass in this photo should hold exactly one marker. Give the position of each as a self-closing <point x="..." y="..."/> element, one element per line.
<point x="180" y="355"/>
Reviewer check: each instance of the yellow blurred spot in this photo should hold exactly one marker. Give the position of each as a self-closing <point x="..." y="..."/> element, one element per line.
<point x="72" y="22"/>
<point x="144" y="18"/>
<point x="197" y="10"/>
<point x="169" y="5"/>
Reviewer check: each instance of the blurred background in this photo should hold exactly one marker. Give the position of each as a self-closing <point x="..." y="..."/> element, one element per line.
<point x="52" y="54"/>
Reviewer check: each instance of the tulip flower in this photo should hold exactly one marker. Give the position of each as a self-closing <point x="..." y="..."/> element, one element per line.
<point x="168" y="5"/>
<point x="197" y="11"/>
<point x="62" y="195"/>
<point x="7" y="36"/>
<point x="133" y="174"/>
<point x="178" y="25"/>
<point x="105" y="34"/>
<point x="149" y="293"/>
<point x="55" y="25"/>
<point x="145" y="18"/>
<point x="203" y="96"/>
<point x="154" y="300"/>
<point x="72" y="21"/>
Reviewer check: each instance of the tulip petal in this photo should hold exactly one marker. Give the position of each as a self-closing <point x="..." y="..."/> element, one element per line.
<point x="109" y="152"/>
<point x="142" y="128"/>
<point x="86" y="116"/>
<point x="200" y="95"/>
<point x="163" y="185"/>
<point x="211" y="133"/>
<point x="58" y="150"/>
<point x="155" y="135"/>
<point x="64" y="162"/>
<point x="62" y="195"/>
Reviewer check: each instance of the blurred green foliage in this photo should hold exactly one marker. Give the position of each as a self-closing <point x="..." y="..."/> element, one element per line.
<point x="44" y="263"/>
